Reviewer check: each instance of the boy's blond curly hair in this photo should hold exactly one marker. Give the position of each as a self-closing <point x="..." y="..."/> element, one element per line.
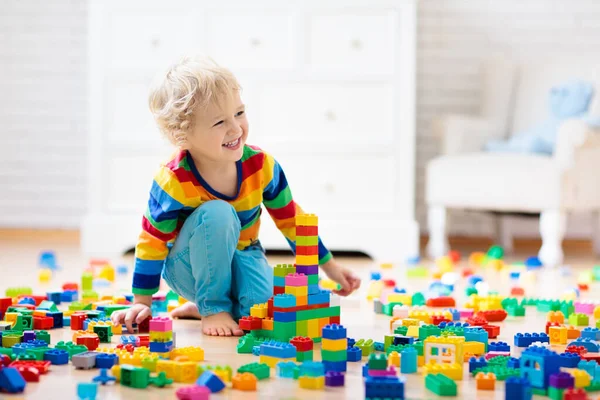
<point x="191" y="83"/>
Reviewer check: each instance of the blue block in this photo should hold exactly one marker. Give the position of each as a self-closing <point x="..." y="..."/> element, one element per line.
<point x="351" y="342"/>
<point x="284" y="300"/>
<point x="589" y="344"/>
<point x="129" y="297"/>
<point x="375" y="276"/>
<point x="69" y="296"/>
<point x="408" y="360"/>
<point x="378" y="346"/>
<point x="256" y="350"/>
<point x="277" y="349"/>
<point x="569" y="360"/>
<point x="21" y="348"/>
<point x="161" y="347"/>
<point x="365" y="370"/>
<point x="354" y="353"/>
<point x="28" y="335"/>
<point x="313" y="289"/>
<point x="513" y="363"/>
<point x="57" y="317"/>
<point x="211" y="381"/>
<point x="285" y="369"/>
<point x="455" y="314"/>
<point x="322" y="297"/>
<point x="87" y="391"/>
<point x="588" y="366"/>
<point x="537" y="364"/>
<point x="475" y="363"/>
<point x="279" y="281"/>
<point x="400" y="339"/>
<point x="476" y="334"/>
<point x="37" y="343"/>
<point x="388" y="387"/>
<point x="55" y="297"/>
<point x="498" y="346"/>
<point x="590" y="333"/>
<point x="26" y="300"/>
<point x="334" y="331"/>
<point x="57" y="357"/>
<point x="125" y="340"/>
<point x="11" y="380"/>
<point x="66" y="321"/>
<point x="525" y="339"/>
<point x="312" y="368"/>
<point x="106" y="360"/>
<point x="338" y="366"/>
<point x="518" y="389"/>
<point x="284" y="316"/>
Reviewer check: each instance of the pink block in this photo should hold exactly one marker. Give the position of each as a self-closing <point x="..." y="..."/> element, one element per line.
<point x="296" y="280"/>
<point x="193" y="393"/>
<point x="391" y="371"/>
<point x="584" y="308"/>
<point x="466" y="313"/>
<point x="493" y="354"/>
<point x="161" y="324"/>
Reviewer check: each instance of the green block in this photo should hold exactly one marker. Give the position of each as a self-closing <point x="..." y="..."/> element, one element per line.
<point x="90" y="294"/>
<point x="302" y="356"/>
<point x="401" y="330"/>
<point x="302" y="328"/>
<point x="7" y="351"/>
<point x="43" y="335"/>
<point x="296" y="372"/>
<point x="596" y="272"/>
<point x="500" y="360"/>
<point x="516" y="311"/>
<point x="419" y="347"/>
<point x="428" y="330"/>
<point x="453" y="331"/>
<point x="529" y="302"/>
<point x="172" y="296"/>
<point x="17" y="291"/>
<point x="501" y="372"/>
<point x="316" y="339"/>
<point x="367" y="346"/>
<point x="567" y="308"/>
<point x="307" y="240"/>
<point x="579" y="320"/>
<point x="509" y="302"/>
<point x="283" y="331"/>
<point x="316" y="313"/>
<point x="418" y="299"/>
<point x="546" y="306"/>
<point x="555" y="393"/>
<point x="21" y="310"/>
<point x="388" y="309"/>
<point x="245" y="344"/>
<point x="313" y="279"/>
<point x="495" y="253"/>
<point x="111" y="308"/>
<point x="593" y="387"/>
<point x="38" y="352"/>
<point x="340" y="355"/>
<point x="388" y="340"/>
<point x="26" y="322"/>
<point x="397" y="348"/>
<point x="262" y="334"/>
<point x="103" y="332"/>
<point x="261" y="371"/>
<point x="48" y="305"/>
<point x="283" y="270"/>
<point x="18" y="325"/>
<point x="94" y="314"/>
<point x="539" y="392"/>
<point x="76" y="349"/>
<point x="134" y="377"/>
<point x="470" y="290"/>
<point x="23" y="357"/>
<point x="440" y="385"/>
<point x="76" y="306"/>
<point x="377" y="361"/>
<point x="87" y="281"/>
<point x="416" y="272"/>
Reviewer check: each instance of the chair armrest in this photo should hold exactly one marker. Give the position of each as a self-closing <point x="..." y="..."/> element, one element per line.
<point x="575" y="137"/>
<point x="463" y="133"/>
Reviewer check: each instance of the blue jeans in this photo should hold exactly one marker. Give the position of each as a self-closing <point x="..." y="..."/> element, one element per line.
<point x="205" y="266"/>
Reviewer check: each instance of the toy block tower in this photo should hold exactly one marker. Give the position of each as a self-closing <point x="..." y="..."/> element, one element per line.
<point x="299" y="307"/>
<point x="161" y="335"/>
<point x="334" y="348"/>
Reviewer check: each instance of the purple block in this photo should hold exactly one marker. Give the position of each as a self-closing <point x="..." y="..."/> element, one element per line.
<point x="584" y="308"/>
<point x="307" y="269"/>
<point x="28" y="335"/>
<point x="562" y="380"/>
<point x="333" y="378"/>
<point x="391" y="371"/>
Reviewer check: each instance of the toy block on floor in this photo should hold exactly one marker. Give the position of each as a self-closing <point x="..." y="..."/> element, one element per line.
<point x="440" y="385"/>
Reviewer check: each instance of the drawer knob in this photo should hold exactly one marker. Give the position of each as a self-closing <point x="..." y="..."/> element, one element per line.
<point x="255" y="42"/>
<point x="330" y="115"/>
<point x="356" y="44"/>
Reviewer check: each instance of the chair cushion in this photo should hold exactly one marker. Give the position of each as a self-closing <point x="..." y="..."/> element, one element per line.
<point x="488" y="181"/>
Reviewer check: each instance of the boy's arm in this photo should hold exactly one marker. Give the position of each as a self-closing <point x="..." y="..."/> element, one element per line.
<point x="278" y="200"/>
<point x="159" y="226"/>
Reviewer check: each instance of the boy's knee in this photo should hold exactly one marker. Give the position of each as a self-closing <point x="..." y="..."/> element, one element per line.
<point x="219" y="210"/>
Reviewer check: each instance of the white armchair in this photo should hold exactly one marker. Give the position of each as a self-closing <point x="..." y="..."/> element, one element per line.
<point x="465" y="177"/>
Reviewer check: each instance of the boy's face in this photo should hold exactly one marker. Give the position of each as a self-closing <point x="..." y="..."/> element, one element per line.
<point x="219" y="133"/>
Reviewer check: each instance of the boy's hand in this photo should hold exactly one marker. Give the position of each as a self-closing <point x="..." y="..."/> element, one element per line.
<point x="343" y="276"/>
<point x="138" y="313"/>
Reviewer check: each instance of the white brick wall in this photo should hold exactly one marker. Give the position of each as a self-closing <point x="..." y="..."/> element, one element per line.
<point x="43" y="79"/>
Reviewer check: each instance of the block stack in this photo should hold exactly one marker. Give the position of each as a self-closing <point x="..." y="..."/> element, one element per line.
<point x="334" y="347"/>
<point x="161" y="335"/>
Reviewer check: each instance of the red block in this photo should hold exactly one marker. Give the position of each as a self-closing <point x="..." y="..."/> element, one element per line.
<point x="438" y="319"/>
<point x="477" y="321"/>
<point x="38" y="299"/>
<point x="270" y="307"/>
<point x="4" y="360"/>
<point x="575" y="394"/>
<point x="454" y="256"/>
<point x="389" y="283"/>
<point x="493" y="315"/>
<point x="250" y="323"/>
<point x="30" y="374"/>
<point x="492" y="330"/>
<point x="278" y="289"/>
<point x="591" y="357"/>
<point x="577" y="350"/>
<point x="307" y="230"/>
<point x="302" y="343"/>
<point x="301" y="308"/>
<point x="5" y="302"/>
<point x="334" y="320"/>
<point x="144" y="341"/>
<point x="43" y="323"/>
<point x="144" y="327"/>
<point x="90" y="341"/>
<point x="517" y="291"/>
<point x="41" y="366"/>
<point x="583" y="287"/>
<point x="70" y="286"/>
<point x="467" y="272"/>
<point x="307" y="250"/>
<point x="443" y="301"/>
<point x="550" y="324"/>
<point x="77" y="321"/>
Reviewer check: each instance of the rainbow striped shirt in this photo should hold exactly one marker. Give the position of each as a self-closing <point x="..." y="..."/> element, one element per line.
<point x="178" y="189"/>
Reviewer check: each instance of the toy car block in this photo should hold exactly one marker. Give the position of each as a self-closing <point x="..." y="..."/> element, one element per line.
<point x="499" y="346"/>
<point x="84" y="360"/>
<point x="485" y="381"/>
<point x="440" y="385"/>
<point x="442" y="301"/>
<point x="261" y="371"/>
<point x="248" y="323"/>
<point x="525" y="339"/>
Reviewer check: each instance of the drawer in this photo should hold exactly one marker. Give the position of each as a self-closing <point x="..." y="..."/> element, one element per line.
<point x="325" y="113"/>
<point x="330" y="186"/>
<point x="150" y="41"/>
<point x="252" y="40"/>
<point x="361" y="43"/>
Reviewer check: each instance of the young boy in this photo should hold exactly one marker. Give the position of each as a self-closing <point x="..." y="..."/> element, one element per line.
<point x="200" y="229"/>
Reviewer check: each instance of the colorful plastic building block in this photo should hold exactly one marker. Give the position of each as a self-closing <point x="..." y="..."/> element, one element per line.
<point x="517" y="388"/>
<point x="245" y="381"/>
<point x="57" y="357"/>
<point x="106" y="360"/>
<point x="354" y="354"/>
<point x="87" y="391"/>
<point x="525" y="339"/>
<point x="591" y="333"/>
<point x="485" y="381"/>
<point x="334" y="379"/>
<point x="310" y="382"/>
<point x="499" y="346"/>
<point x="476" y="363"/>
<point x="261" y="371"/>
<point x="285" y="369"/>
<point x="11" y="380"/>
<point x="408" y="360"/>
<point x="537" y="364"/>
<point x="103" y="378"/>
<point x="440" y="385"/>
<point x="579" y="319"/>
<point x="193" y="393"/>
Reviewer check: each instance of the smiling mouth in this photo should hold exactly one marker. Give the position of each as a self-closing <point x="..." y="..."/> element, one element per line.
<point x="232" y="143"/>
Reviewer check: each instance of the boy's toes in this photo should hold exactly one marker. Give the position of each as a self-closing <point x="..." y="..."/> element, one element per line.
<point x="221" y="331"/>
<point x="238" y="332"/>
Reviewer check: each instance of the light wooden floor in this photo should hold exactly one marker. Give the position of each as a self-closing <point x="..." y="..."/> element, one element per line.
<point x="18" y="267"/>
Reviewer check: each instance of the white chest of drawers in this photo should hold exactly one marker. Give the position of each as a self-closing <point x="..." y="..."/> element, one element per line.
<point x="329" y="88"/>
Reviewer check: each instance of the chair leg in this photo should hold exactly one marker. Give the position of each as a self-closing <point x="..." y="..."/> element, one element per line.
<point x="596" y="232"/>
<point x="503" y="236"/>
<point x="552" y="229"/>
<point x="438" y="240"/>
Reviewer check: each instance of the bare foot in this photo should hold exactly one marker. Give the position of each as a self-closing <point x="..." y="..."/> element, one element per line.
<point x="221" y="324"/>
<point x="187" y="310"/>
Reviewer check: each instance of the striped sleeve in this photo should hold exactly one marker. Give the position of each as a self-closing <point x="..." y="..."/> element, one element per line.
<point x="159" y="226"/>
<point x="278" y="200"/>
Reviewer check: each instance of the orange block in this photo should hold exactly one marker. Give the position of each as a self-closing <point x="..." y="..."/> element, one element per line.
<point x="556" y="316"/>
<point x="572" y="332"/>
<point x="245" y="381"/>
<point x="267" y="324"/>
<point x="485" y="381"/>
<point x="322" y="323"/>
<point x="301" y="300"/>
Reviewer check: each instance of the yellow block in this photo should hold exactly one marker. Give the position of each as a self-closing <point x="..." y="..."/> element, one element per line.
<point x="400" y="298"/>
<point x="334" y="344"/>
<point x="185" y="372"/>
<point x="558" y="335"/>
<point x="394" y="359"/>
<point x="386" y="266"/>
<point x="194" y="353"/>
<point x="131" y="359"/>
<point x="413" y="331"/>
<point x="597" y="312"/>
<point x="307" y="220"/>
<point x="410" y="322"/>
<point x="313" y="328"/>
<point x="328" y="284"/>
<point x="161" y="336"/>
<point x="307" y="260"/>
<point x="374" y="289"/>
<point x="453" y="371"/>
<point x="420" y="315"/>
<point x="117" y="330"/>
<point x="116" y="372"/>
<point x="457" y="342"/>
<point x="12" y="317"/>
<point x="420" y="361"/>
<point x="582" y="378"/>
<point x="475" y="348"/>
<point x="166" y="366"/>
<point x="259" y="310"/>
<point x="308" y="382"/>
<point x="272" y="361"/>
<point x="297" y="290"/>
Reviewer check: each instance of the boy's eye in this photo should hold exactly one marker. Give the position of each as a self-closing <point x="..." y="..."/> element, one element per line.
<point x="239" y="113"/>
<point x="218" y="123"/>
